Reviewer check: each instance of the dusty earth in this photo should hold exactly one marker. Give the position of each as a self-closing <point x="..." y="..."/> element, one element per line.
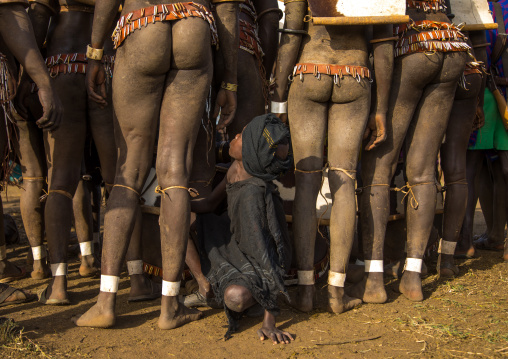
<point x="466" y="317"/>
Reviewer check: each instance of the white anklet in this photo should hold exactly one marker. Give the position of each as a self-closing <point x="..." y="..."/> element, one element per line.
<point x="336" y="279"/>
<point x="86" y="248"/>
<point x="59" y="269"/>
<point x="170" y="289"/>
<point x="305" y="277"/>
<point x="39" y="252"/>
<point x="374" y="266"/>
<point x="3" y="252"/>
<point x="135" y="267"/>
<point x="109" y="283"/>
<point x="446" y="247"/>
<point x="413" y="265"/>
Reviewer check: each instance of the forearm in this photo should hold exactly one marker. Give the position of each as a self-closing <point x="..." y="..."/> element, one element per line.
<point x="17" y="32"/>
<point x="227" y="29"/>
<point x="288" y="48"/>
<point x="40" y="16"/>
<point x="383" y="66"/>
<point x="268" y="24"/>
<point x="104" y="16"/>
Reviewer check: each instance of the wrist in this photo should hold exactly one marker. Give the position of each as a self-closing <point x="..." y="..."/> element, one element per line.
<point x="94" y="53"/>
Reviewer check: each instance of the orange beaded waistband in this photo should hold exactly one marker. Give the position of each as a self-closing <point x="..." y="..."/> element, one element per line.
<point x="337" y="71"/>
<point x="432" y="36"/>
<point x="162" y="12"/>
<point x="427" y="6"/>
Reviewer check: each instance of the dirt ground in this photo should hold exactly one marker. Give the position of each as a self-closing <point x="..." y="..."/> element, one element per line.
<point x="466" y="317"/>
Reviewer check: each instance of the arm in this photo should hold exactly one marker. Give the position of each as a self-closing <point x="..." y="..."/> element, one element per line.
<point x="479" y="41"/>
<point x="40" y="16"/>
<point x="383" y="44"/>
<point x="268" y="24"/>
<point x="104" y="16"/>
<point x="17" y="32"/>
<point x="229" y="39"/>
<point x="210" y="203"/>
<point x="288" y="48"/>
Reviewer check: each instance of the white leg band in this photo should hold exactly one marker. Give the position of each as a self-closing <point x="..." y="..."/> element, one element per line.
<point x="135" y="267"/>
<point x="39" y="252"/>
<point x="109" y="283"/>
<point x="336" y="279"/>
<point x="59" y="269"/>
<point x="170" y="289"/>
<point x="446" y="247"/>
<point x="96" y="236"/>
<point x="375" y="266"/>
<point x="86" y="248"/>
<point x="305" y="277"/>
<point x="413" y="265"/>
<point x="279" y="107"/>
<point x="3" y="252"/>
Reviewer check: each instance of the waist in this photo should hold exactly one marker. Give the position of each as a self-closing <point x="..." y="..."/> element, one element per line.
<point x="332" y="70"/>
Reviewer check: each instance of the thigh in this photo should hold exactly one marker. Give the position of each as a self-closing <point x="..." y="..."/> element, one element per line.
<point x="30" y="149"/>
<point x="308" y="106"/>
<point x="346" y="123"/>
<point x="138" y="86"/>
<point x="186" y="88"/>
<point x="64" y="146"/>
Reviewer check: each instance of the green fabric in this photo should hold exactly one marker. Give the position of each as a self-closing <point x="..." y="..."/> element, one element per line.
<point x="493" y="134"/>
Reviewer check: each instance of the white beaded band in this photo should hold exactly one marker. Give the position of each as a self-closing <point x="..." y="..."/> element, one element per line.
<point x="413" y="265"/>
<point x="39" y="252"/>
<point x="86" y="248"/>
<point x="96" y="236"/>
<point x="446" y="247"/>
<point x="279" y="107"/>
<point x="135" y="267"/>
<point x="170" y="289"/>
<point x="3" y="252"/>
<point x="374" y="266"/>
<point x="59" y="269"/>
<point x="305" y="277"/>
<point x="109" y="283"/>
<point x="336" y="279"/>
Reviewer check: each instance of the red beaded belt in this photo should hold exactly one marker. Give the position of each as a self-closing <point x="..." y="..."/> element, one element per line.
<point x="432" y="36"/>
<point x="163" y="12"/>
<point x="75" y="64"/>
<point x="249" y="42"/>
<point x="247" y="7"/>
<point x="337" y="71"/>
<point x="427" y="6"/>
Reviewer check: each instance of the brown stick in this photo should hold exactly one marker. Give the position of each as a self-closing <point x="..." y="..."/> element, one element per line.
<point x="352" y="341"/>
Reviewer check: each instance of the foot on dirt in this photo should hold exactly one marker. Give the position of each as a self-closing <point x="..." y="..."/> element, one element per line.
<point x="174" y="314"/>
<point x="465" y="253"/>
<point x="304" y="298"/>
<point x="371" y="289"/>
<point x="446" y="268"/>
<point x="55" y="293"/>
<point x="355" y="273"/>
<point x="340" y="302"/>
<point x="142" y="289"/>
<point x="487" y="244"/>
<point x="411" y="286"/>
<point x="99" y="316"/>
<point x="40" y="269"/>
<point x="10" y="295"/>
<point x="88" y="267"/>
<point x="10" y="272"/>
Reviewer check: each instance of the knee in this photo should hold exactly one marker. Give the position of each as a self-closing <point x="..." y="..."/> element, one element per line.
<point x="237" y="298"/>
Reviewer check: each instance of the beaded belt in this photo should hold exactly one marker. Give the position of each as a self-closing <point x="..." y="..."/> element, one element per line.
<point x="75" y="64"/>
<point x="249" y="42"/>
<point x="247" y="7"/>
<point x="427" y="6"/>
<point x="163" y="12"/>
<point x="474" y="68"/>
<point x="337" y="71"/>
<point x="432" y="36"/>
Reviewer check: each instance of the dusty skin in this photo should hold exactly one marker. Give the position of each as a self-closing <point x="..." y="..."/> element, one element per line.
<point x="464" y="317"/>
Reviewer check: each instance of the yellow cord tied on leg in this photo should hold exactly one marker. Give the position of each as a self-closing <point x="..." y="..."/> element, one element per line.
<point x="192" y="191"/>
<point x="409" y="191"/>
<point x="63" y="193"/>
<point x="127" y="187"/>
